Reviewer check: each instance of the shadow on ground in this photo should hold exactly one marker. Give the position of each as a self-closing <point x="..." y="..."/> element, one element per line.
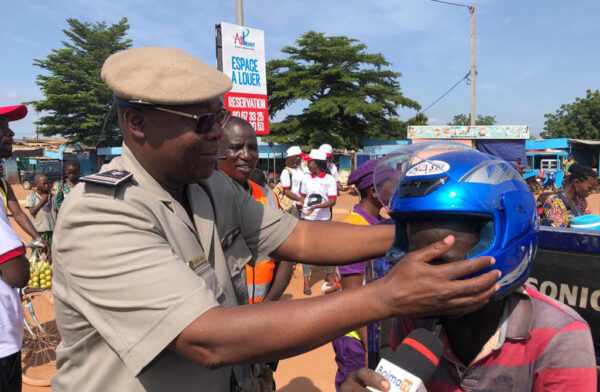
<point x="299" y="384"/>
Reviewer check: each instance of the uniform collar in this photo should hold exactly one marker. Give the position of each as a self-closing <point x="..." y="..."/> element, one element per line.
<point x="142" y="177"/>
<point x="322" y="175"/>
<point x="150" y="185"/>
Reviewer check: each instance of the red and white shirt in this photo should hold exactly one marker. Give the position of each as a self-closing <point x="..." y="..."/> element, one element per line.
<point x="292" y="179"/>
<point x="541" y="345"/>
<point x="11" y="312"/>
<point x="334" y="171"/>
<point x="317" y="189"/>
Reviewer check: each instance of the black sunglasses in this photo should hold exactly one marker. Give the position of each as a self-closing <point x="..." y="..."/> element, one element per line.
<point x="204" y="122"/>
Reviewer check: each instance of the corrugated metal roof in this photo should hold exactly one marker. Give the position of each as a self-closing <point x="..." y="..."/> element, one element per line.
<point x="588" y="142"/>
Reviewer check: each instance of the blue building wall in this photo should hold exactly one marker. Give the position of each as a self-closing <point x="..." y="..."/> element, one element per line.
<point x="553" y="144"/>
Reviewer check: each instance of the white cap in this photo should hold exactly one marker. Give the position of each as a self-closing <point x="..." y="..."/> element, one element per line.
<point x="293" y="151"/>
<point x="326" y="148"/>
<point x="316" y="154"/>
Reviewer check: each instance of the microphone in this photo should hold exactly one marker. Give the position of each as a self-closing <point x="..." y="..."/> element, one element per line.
<point x="413" y="362"/>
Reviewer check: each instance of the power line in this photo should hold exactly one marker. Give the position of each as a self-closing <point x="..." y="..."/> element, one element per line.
<point x="449" y="3"/>
<point x="447" y="92"/>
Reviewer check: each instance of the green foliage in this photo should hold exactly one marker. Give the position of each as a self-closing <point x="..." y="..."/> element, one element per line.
<point x="349" y="94"/>
<point x="465" y="119"/>
<point x="577" y="120"/>
<point x="76" y="100"/>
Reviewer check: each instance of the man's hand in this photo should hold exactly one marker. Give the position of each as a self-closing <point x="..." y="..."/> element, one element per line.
<point x="358" y="381"/>
<point x="45" y="198"/>
<point x="415" y="288"/>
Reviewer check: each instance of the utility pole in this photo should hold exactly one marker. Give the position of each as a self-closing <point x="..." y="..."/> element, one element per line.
<point x="239" y="12"/>
<point x="473" y="69"/>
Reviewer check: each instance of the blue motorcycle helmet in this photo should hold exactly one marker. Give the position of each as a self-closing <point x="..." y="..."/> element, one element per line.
<point x="449" y="180"/>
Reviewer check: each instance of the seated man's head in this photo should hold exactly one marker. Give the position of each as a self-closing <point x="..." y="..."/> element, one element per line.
<point x="449" y="189"/>
<point x="42" y="183"/>
<point x="169" y="111"/>
<point x="467" y="233"/>
<point x="72" y="170"/>
<point x="239" y="147"/>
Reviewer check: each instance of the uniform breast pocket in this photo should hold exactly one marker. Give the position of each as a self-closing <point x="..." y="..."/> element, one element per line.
<point x="207" y="273"/>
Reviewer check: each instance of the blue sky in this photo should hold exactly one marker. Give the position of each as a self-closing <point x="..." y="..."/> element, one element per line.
<point x="532" y="56"/>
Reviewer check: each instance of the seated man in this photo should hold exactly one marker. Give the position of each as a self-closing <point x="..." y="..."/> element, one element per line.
<point x="521" y="339"/>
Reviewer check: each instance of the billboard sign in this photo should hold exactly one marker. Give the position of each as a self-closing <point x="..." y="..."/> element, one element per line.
<point x="467" y="132"/>
<point x="242" y="58"/>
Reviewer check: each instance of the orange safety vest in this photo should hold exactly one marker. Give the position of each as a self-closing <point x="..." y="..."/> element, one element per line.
<point x="259" y="277"/>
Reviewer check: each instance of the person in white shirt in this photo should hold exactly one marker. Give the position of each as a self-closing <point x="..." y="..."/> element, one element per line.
<point x="333" y="170"/>
<point x="292" y="174"/>
<point x="318" y="196"/>
<point x="14" y="272"/>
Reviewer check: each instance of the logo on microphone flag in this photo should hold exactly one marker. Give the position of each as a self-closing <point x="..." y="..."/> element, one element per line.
<point x="399" y="379"/>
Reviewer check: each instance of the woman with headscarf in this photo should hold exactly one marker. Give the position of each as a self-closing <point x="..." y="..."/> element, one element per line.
<point x="350" y="349"/>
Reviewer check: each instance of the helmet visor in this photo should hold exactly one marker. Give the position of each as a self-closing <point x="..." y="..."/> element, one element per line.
<point x="419" y="169"/>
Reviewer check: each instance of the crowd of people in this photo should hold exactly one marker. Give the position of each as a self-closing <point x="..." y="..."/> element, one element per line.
<point x="170" y="263"/>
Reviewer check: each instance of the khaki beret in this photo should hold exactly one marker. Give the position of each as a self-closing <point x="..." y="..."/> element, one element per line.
<point x="164" y="76"/>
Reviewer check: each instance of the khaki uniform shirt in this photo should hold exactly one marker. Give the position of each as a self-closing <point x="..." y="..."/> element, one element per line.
<point x="132" y="271"/>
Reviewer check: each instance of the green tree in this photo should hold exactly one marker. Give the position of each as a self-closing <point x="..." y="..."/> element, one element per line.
<point x="577" y="120"/>
<point x="76" y="100"/>
<point x="465" y="119"/>
<point x="348" y="94"/>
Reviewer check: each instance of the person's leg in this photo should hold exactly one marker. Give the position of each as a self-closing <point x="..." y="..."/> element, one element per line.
<point x="306" y="275"/>
<point x="330" y="274"/>
<point x="349" y="356"/>
<point x="10" y="373"/>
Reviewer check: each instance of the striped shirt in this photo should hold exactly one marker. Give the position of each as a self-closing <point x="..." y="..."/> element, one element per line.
<point x="540" y="345"/>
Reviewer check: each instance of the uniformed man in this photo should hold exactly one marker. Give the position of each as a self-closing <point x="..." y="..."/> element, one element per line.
<point x="150" y="255"/>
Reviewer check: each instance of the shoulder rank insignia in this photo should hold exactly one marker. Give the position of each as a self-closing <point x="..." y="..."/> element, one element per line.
<point x="110" y="178"/>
